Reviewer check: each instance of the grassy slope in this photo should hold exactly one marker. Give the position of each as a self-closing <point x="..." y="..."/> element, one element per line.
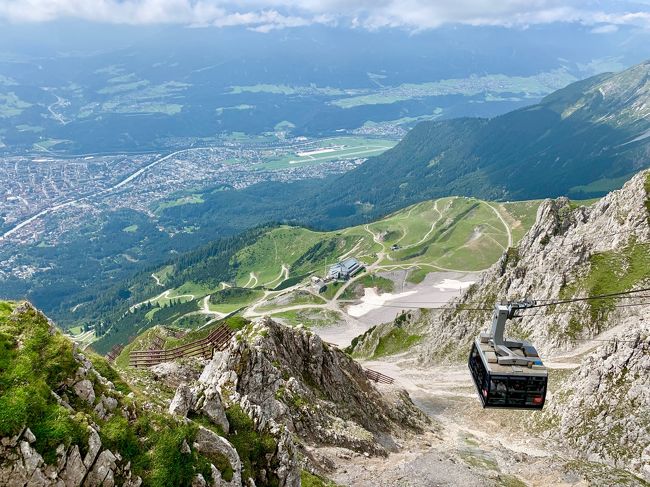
<point x="232" y="298"/>
<point x="35" y="362"/>
<point x="41" y="364"/>
<point x="309" y="317"/>
<point x="454" y="233"/>
<point x="291" y="299"/>
<point x="467" y="235"/>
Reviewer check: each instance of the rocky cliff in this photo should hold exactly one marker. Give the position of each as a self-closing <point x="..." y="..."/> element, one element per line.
<point x="602" y="410"/>
<point x="303" y="392"/>
<point x="569" y="252"/>
<point x="68" y="419"/>
<point x="576" y="252"/>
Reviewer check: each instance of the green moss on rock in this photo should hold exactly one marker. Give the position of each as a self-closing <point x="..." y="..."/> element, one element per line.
<point x="35" y="361"/>
<point x="308" y="479"/>
<point x="252" y="447"/>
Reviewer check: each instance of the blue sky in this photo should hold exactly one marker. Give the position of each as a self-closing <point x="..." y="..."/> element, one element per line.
<point x="264" y="15"/>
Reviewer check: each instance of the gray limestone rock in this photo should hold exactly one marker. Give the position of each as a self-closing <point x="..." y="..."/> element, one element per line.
<point x="210" y="443"/>
<point x="182" y="402"/>
<point x="94" y="445"/>
<point x="102" y="473"/>
<point x="84" y="389"/>
<point x="74" y="470"/>
<point x="602" y="407"/>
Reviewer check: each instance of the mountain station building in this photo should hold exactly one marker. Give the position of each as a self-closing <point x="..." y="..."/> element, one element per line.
<point x="344" y="269"/>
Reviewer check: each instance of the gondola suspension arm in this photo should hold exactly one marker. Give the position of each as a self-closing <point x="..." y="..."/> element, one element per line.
<point x="502" y="347"/>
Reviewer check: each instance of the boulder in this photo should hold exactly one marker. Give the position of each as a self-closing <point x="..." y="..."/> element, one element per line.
<point x="182" y="402"/>
<point x="84" y="389"/>
<point x="210" y="443"/>
<point x="75" y="470"/>
<point x="102" y="473"/>
<point x="94" y="445"/>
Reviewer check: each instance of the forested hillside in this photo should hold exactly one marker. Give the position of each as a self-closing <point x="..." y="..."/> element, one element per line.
<point x="232" y="273"/>
<point x="580" y="141"/>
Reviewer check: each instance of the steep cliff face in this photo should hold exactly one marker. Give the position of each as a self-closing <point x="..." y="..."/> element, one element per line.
<point x="603" y="409"/>
<point x="602" y="406"/>
<point x="568" y="253"/>
<point x="297" y="387"/>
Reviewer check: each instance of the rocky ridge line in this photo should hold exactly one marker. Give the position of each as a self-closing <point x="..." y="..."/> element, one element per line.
<point x="303" y="391"/>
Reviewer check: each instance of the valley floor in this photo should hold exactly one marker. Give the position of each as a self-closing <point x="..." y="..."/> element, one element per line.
<point x="471" y="446"/>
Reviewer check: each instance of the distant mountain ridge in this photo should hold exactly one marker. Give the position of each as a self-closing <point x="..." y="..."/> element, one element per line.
<point x="580" y="141"/>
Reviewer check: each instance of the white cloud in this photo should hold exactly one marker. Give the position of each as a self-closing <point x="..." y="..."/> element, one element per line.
<point x="266" y="15"/>
<point x="605" y="29"/>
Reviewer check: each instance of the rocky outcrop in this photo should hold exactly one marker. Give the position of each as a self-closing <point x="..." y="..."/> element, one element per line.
<point x="183" y="371"/>
<point x="407" y="325"/>
<point x="296" y="387"/>
<point x="85" y="390"/>
<point x="602" y="410"/>
<point x="292" y="377"/>
<point x="201" y="400"/>
<point x="554" y="260"/>
<point x="23" y="465"/>
<point x="210" y="443"/>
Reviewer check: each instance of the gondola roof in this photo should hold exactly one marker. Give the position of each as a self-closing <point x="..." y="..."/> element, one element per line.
<point x="489" y="357"/>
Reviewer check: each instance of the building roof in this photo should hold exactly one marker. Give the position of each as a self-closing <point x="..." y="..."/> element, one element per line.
<point x="349" y="264"/>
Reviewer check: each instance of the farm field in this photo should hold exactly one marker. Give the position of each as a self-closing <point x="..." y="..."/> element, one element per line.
<point x="492" y="84"/>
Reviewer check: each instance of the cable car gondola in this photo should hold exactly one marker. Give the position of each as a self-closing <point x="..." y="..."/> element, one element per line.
<point x="507" y="373"/>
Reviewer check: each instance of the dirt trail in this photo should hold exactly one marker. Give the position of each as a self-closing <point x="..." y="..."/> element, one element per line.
<point x="162" y="295"/>
<point x="252" y="280"/>
<point x="505" y="224"/>
<point x="469" y="447"/>
<point x="284" y="274"/>
<point x="433" y="226"/>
